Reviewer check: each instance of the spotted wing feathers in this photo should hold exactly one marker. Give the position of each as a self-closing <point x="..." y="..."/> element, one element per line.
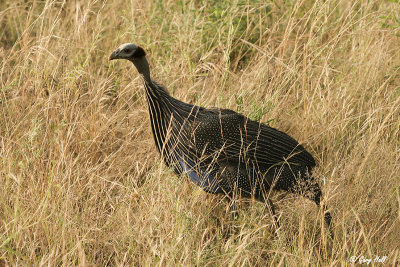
<point x="236" y="137"/>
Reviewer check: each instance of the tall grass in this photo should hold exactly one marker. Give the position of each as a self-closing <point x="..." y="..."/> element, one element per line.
<point x="81" y="181"/>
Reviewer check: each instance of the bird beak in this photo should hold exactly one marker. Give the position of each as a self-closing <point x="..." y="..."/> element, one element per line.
<point x="114" y="55"/>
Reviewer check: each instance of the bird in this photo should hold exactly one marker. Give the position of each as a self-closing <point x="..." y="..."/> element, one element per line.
<point x="222" y="151"/>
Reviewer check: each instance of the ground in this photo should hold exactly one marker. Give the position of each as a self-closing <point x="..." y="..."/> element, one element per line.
<point x="83" y="185"/>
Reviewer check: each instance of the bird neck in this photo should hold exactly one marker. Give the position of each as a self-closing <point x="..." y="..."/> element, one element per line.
<point x="159" y="111"/>
<point x="143" y="68"/>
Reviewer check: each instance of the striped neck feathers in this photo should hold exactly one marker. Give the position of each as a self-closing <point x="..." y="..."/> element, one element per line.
<point x="160" y="112"/>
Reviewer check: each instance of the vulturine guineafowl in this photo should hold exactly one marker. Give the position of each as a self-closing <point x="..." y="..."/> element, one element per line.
<point x="220" y="150"/>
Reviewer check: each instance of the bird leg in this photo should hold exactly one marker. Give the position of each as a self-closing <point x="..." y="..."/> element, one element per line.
<point x="234" y="211"/>
<point x="314" y="193"/>
<point x="234" y="214"/>
<point x="271" y="209"/>
<point x="328" y="220"/>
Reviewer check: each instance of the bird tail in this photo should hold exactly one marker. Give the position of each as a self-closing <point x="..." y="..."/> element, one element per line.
<point x="314" y="193"/>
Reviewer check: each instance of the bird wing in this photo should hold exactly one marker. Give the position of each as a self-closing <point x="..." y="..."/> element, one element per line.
<point x="203" y="178"/>
<point x="234" y="137"/>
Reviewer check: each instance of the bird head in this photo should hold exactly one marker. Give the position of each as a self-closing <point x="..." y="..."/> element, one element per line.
<point x="128" y="51"/>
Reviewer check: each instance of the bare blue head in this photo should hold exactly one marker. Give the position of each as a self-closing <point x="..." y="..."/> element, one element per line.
<point x="136" y="55"/>
<point x="128" y="51"/>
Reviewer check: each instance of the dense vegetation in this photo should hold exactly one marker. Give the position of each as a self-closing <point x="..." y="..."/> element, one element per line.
<point x="81" y="181"/>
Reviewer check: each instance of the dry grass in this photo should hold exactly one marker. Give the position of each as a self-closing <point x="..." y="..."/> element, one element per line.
<point x="82" y="183"/>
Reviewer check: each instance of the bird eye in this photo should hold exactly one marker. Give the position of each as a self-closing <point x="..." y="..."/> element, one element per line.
<point x="127" y="50"/>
